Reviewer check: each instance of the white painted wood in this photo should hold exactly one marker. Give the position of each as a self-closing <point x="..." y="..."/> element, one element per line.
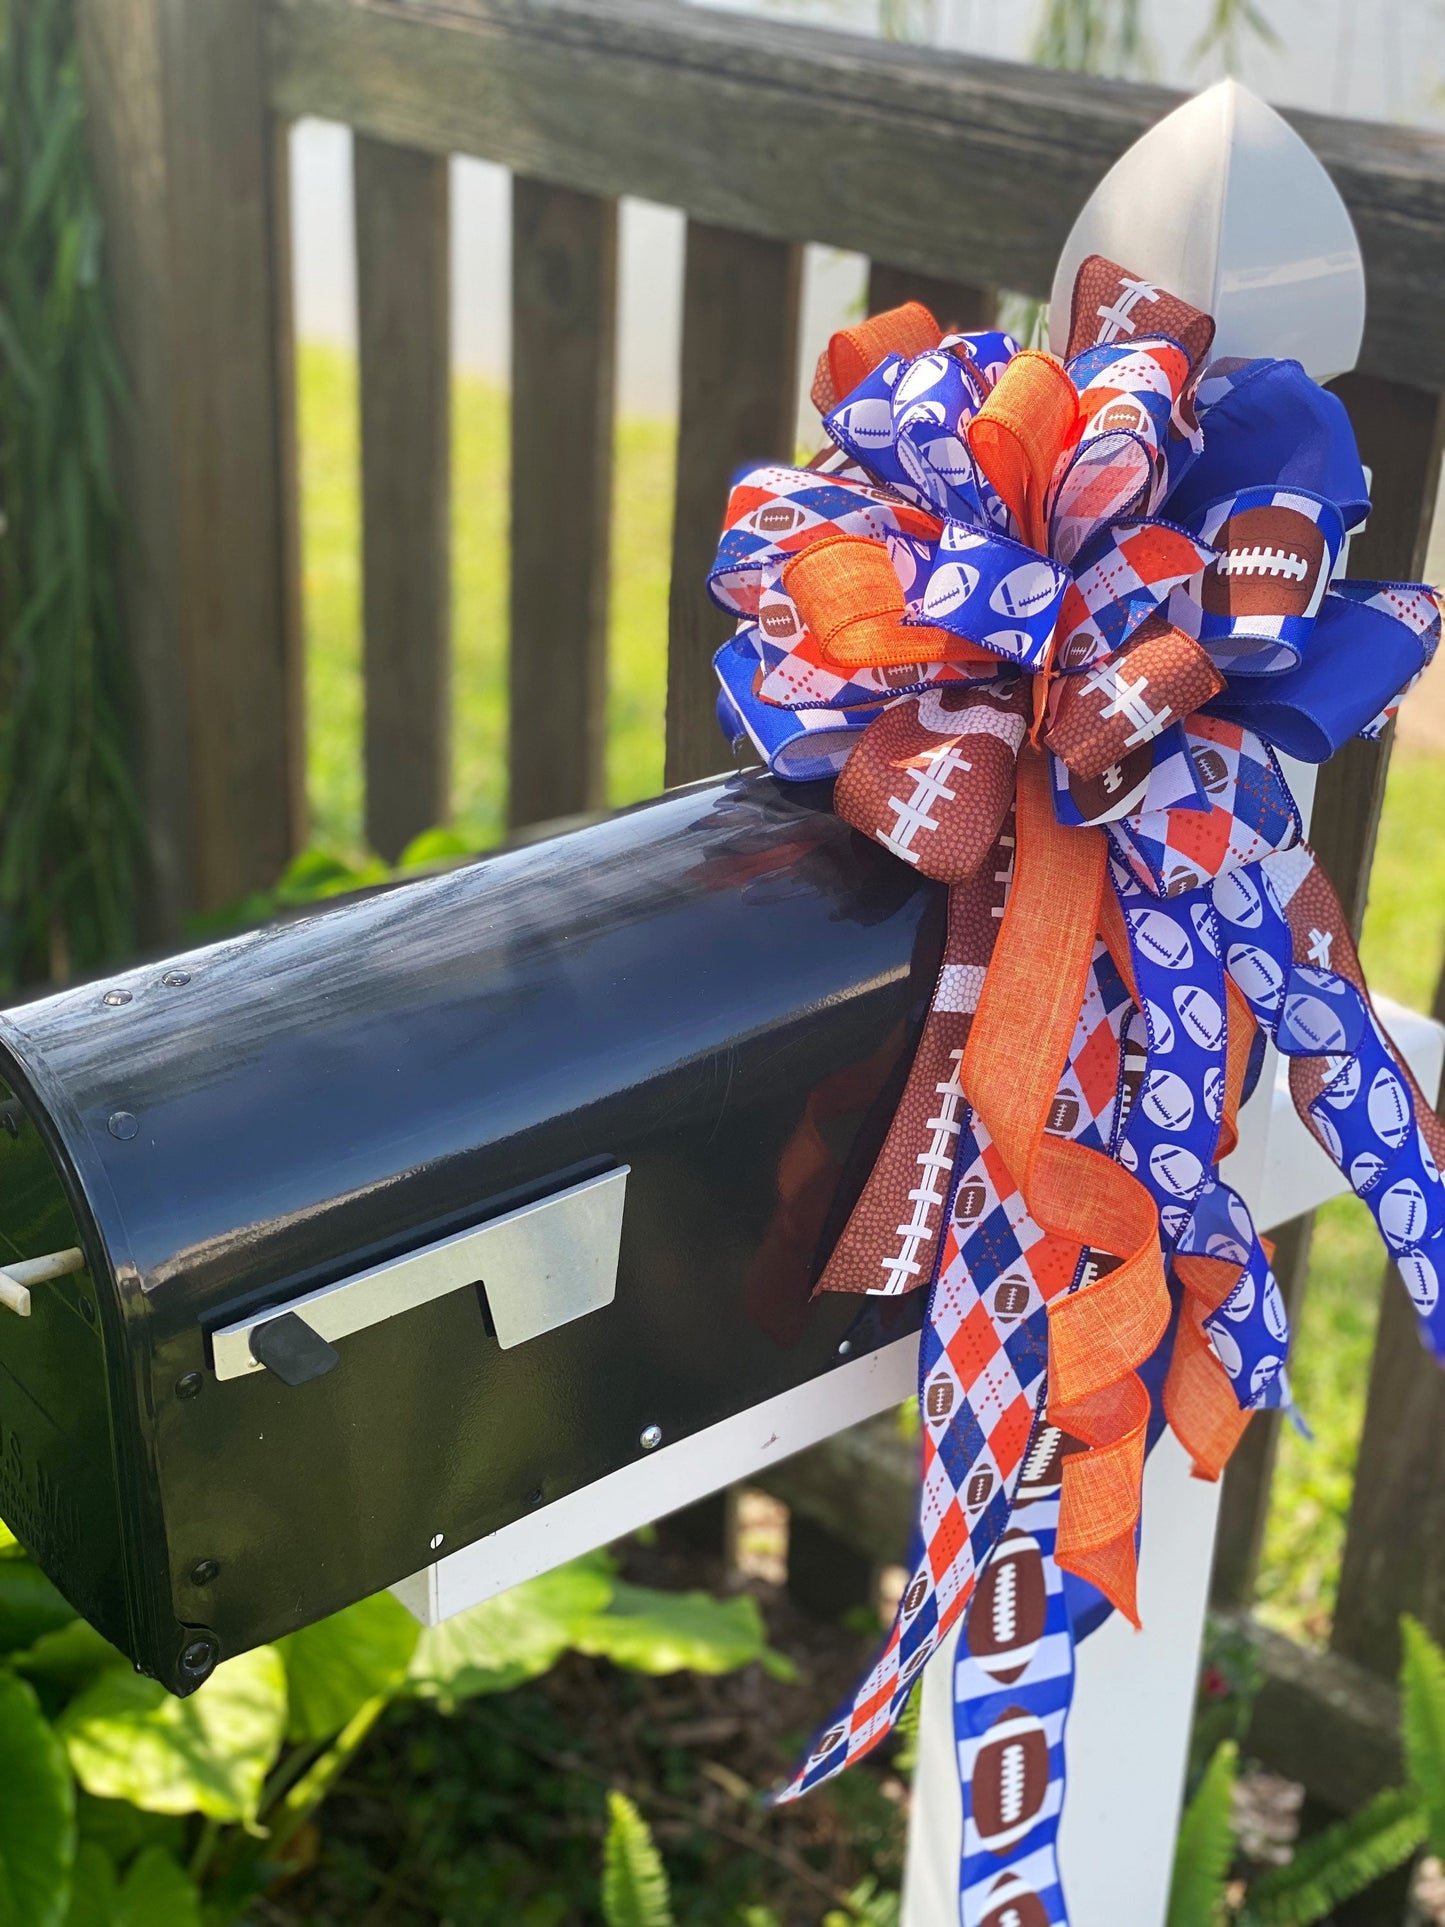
<point x="1128" y="1733"/>
<point x="664" y="1480"/>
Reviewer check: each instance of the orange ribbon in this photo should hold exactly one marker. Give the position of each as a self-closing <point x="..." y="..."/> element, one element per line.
<point x="1101" y="1333"/>
<point x="847" y="594"/>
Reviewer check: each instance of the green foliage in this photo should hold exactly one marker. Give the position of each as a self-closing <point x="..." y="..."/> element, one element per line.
<point x="128" y="1739"/>
<point x="1206" y="1845"/>
<point x="336" y="1666"/>
<point x="155" y="1892"/>
<point x="29" y="1606"/>
<point x="1422" y="1724"/>
<point x="634" y="1885"/>
<point x="1230" y="25"/>
<point x="672" y="1632"/>
<point x="1094" y="37"/>
<point x="866" y="1907"/>
<point x="37" y="1813"/>
<point x="1332" y="1866"/>
<point x="188" y="1807"/>
<point x="1229" y="1681"/>
<point x="514" y="1637"/>
<point x="906" y="1733"/>
<point x="69" y="827"/>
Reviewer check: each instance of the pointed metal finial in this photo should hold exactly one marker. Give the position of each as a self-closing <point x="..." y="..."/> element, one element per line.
<point x="1223" y="204"/>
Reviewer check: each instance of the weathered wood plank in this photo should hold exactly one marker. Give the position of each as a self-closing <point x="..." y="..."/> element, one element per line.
<point x="861" y="1486"/>
<point x="1322" y="1720"/>
<point x="1399" y="431"/>
<point x="564" y="320"/>
<point x="193" y="184"/>
<point x="800" y="134"/>
<point x="738" y="404"/>
<point x="956" y="306"/>
<point x="403" y="287"/>
<point x="1394" y="1559"/>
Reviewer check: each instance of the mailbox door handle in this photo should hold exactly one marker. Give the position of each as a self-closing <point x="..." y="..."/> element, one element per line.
<point x="541" y="1266"/>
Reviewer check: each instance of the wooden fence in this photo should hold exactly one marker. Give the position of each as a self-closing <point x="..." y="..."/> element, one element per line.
<point x="955" y="176"/>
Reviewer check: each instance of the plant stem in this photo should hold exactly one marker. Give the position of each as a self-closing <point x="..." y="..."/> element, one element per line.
<point x="290" y="1770"/>
<point x="301" y="1801"/>
<point x="206" y="1841"/>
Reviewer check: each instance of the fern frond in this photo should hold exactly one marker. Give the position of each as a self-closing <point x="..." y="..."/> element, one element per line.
<point x="1206" y="1845"/>
<point x="634" y="1885"/>
<point x="905" y="1732"/>
<point x="1422" y="1724"/>
<point x="1338" y="1863"/>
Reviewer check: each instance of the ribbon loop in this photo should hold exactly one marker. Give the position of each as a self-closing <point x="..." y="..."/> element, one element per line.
<point x="1133" y="559"/>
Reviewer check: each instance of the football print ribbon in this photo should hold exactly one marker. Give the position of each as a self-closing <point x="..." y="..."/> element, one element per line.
<point x="1050" y="624"/>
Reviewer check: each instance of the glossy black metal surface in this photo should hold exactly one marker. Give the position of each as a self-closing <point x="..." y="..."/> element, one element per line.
<point x="720" y="989"/>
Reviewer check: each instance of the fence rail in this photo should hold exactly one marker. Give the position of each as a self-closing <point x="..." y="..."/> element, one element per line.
<point x="955" y="176"/>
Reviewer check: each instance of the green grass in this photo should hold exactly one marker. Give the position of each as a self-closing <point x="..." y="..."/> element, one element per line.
<point x="1404" y="930"/>
<point x="332" y="520"/>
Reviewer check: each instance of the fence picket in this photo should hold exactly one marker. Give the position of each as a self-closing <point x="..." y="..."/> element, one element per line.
<point x="955" y="305"/>
<point x="192" y="177"/>
<point x="403" y="298"/>
<point x="1396" y="1537"/>
<point x="564" y="318"/>
<point x="738" y="404"/>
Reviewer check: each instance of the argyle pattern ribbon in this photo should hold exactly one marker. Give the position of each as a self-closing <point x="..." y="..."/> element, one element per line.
<point x="1051" y="625"/>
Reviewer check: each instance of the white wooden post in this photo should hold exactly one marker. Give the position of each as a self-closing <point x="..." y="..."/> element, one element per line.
<point x="1128" y="1733"/>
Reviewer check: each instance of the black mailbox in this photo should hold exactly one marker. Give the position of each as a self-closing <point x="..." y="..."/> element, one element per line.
<point x="370" y="1234"/>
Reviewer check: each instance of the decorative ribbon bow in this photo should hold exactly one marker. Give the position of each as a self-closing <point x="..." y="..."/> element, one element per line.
<point x="1049" y="624"/>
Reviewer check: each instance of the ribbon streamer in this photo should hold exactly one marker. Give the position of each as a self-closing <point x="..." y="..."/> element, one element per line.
<point x="1051" y="624"/>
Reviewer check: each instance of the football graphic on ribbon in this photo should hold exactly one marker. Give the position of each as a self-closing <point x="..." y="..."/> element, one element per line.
<point x="1051" y="621"/>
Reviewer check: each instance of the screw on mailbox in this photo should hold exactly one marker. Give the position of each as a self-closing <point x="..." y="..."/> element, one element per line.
<point x="651" y="1437"/>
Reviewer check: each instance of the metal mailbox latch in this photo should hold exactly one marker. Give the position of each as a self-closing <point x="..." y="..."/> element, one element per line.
<point x="541" y="1266"/>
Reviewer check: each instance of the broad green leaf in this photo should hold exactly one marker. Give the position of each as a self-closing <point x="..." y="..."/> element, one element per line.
<point x="434" y="846"/>
<point x="120" y="1830"/>
<point x="634" y="1884"/>
<point x="514" y="1637"/>
<point x="92" y="1892"/>
<point x="334" y="1667"/>
<point x="69" y="1659"/>
<point x="37" y="1811"/>
<point x="29" y="1606"/>
<point x="158" y="1893"/>
<point x="672" y="1632"/>
<point x="310" y="873"/>
<point x="9" y="1545"/>
<point x="130" y="1740"/>
<point x="1422" y="1723"/>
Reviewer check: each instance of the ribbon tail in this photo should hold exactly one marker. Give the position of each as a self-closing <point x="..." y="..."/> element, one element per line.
<point x="1102" y="1331"/>
<point x="891" y="1241"/>
<point x="1353" y="1088"/>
